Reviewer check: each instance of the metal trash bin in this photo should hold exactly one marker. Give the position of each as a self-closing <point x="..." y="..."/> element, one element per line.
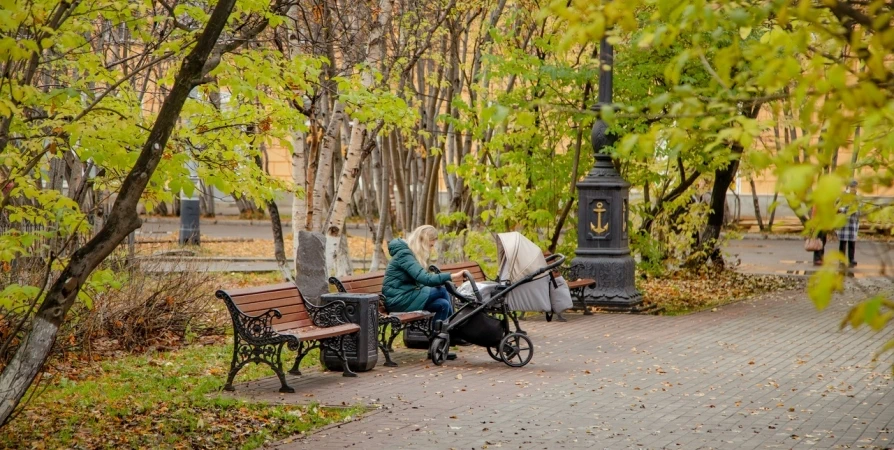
<point x="189" y="221"/>
<point x="360" y="349"/>
<point x="414" y="338"/>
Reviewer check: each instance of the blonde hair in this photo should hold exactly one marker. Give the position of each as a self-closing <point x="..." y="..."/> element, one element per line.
<point x="419" y="242"/>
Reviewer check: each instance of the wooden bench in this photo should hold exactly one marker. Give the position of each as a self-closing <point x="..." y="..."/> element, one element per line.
<point x="371" y="283"/>
<point x="267" y="317"/>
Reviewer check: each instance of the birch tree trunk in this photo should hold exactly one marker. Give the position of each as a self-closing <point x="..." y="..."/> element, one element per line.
<point x="356" y="152"/>
<point x="324" y="167"/>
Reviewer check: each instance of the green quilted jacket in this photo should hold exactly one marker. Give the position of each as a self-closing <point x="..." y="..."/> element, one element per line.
<point x="407" y="284"/>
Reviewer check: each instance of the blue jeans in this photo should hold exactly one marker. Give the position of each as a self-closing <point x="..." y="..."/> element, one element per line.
<point x="439" y="303"/>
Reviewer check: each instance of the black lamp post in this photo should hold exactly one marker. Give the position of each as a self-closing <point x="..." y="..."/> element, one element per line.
<point x="602" y="240"/>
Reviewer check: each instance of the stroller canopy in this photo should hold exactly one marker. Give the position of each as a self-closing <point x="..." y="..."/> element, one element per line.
<point x="518" y="256"/>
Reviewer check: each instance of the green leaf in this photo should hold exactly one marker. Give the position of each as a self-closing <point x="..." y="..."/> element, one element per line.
<point x="822" y="285"/>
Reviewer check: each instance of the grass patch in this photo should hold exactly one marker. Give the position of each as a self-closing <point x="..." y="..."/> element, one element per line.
<point x="160" y="400"/>
<point x="684" y="291"/>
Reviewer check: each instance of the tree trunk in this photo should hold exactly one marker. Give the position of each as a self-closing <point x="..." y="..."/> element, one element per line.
<point x="757" y="205"/>
<point x="28" y="360"/>
<point x="772" y="212"/>
<point x="347" y="181"/>
<point x="279" y="251"/>
<point x="723" y="177"/>
<point x="572" y="190"/>
<point x="299" y="199"/>
<point x="400" y="184"/>
<point x="206" y="197"/>
<point x="384" y="191"/>
<point x="324" y="168"/>
<point x="278" y="244"/>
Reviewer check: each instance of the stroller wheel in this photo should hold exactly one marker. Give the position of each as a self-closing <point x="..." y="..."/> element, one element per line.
<point x="494" y="353"/>
<point x="516" y="350"/>
<point x="440" y="347"/>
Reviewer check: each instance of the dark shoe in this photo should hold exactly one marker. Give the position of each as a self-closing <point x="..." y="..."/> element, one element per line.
<point x="852" y="264"/>
<point x="817" y="263"/>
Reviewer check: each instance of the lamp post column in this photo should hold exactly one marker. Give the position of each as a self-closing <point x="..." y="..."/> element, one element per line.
<point x="603" y="251"/>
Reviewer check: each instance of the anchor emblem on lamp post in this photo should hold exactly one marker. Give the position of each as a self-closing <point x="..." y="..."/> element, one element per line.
<point x="599" y="227"/>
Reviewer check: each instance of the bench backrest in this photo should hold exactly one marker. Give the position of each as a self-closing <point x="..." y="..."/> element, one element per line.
<point x="284" y="297"/>
<point x="368" y="283"/>
<point x="471" y="266"/>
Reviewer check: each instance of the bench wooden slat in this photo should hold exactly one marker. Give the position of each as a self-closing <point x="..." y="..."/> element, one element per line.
<point x="315" y="333"/>
<point x="282" y="305"/>
<point x="246" y="301"/>
<point x="292" y="324"/>
<point x="374" y="289"/>
<point x="473" y="267"/>
<point x="411" y="316"/>
<point x="583" y="282"/>
<point x="378" y="275"/>
<point x="261" y="289"/>
<point x="363" y="284"/>
<point x="296" y="319"/>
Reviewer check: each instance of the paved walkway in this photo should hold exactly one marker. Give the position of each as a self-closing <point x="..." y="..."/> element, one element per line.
<point x="766" y="373"/>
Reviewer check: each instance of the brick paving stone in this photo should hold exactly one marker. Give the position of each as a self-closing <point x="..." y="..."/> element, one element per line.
<point x="771" y="372"/>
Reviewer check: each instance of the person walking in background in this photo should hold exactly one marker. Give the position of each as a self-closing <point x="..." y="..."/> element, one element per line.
<point x="818" y="254"/>
<point x="847" y="235"/>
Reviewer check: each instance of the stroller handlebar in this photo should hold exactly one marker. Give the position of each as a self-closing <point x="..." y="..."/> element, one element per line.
<point x="451" y="288"/>
<point x="468" y="276"/>
<point x="553" y="261"/>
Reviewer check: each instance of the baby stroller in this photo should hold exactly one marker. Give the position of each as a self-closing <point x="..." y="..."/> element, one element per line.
<point x="483" y="319"/>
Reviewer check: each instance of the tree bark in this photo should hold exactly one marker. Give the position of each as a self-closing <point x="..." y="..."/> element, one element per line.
<point x="572" y="190"/>
<point x="384" y="192"/>
<point x="324" y="168"/>
<point x="28" y="360"/>
<point x="299" y="177"/>
<point x="757" y="205"/>
<point x="723" y="177"/>
<point x="356" y="152"/>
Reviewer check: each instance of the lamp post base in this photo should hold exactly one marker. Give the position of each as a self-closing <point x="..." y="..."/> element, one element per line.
<point x="615" y="289"/>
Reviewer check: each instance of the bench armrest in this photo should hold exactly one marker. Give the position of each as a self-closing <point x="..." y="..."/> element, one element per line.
<point x="329" y="315"/>
<point x="337" y="283"/>
<point x="570" y="273"/>
<point x="256" y="330"/>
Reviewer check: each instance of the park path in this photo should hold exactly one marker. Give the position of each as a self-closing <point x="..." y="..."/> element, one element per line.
<point x="765" y="373"/>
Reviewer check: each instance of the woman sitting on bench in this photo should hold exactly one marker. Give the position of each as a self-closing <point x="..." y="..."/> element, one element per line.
<point x="408" y="285"/>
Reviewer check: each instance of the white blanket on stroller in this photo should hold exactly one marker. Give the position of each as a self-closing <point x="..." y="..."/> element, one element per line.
<point x="485" y="288"/>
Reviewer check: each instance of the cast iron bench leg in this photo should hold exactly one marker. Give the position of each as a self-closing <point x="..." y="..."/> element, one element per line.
<point x="303" y="349"/>
<point x="282" y="376"/>
<point x="384" y="341"/>
<point x="344" y="359"/>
